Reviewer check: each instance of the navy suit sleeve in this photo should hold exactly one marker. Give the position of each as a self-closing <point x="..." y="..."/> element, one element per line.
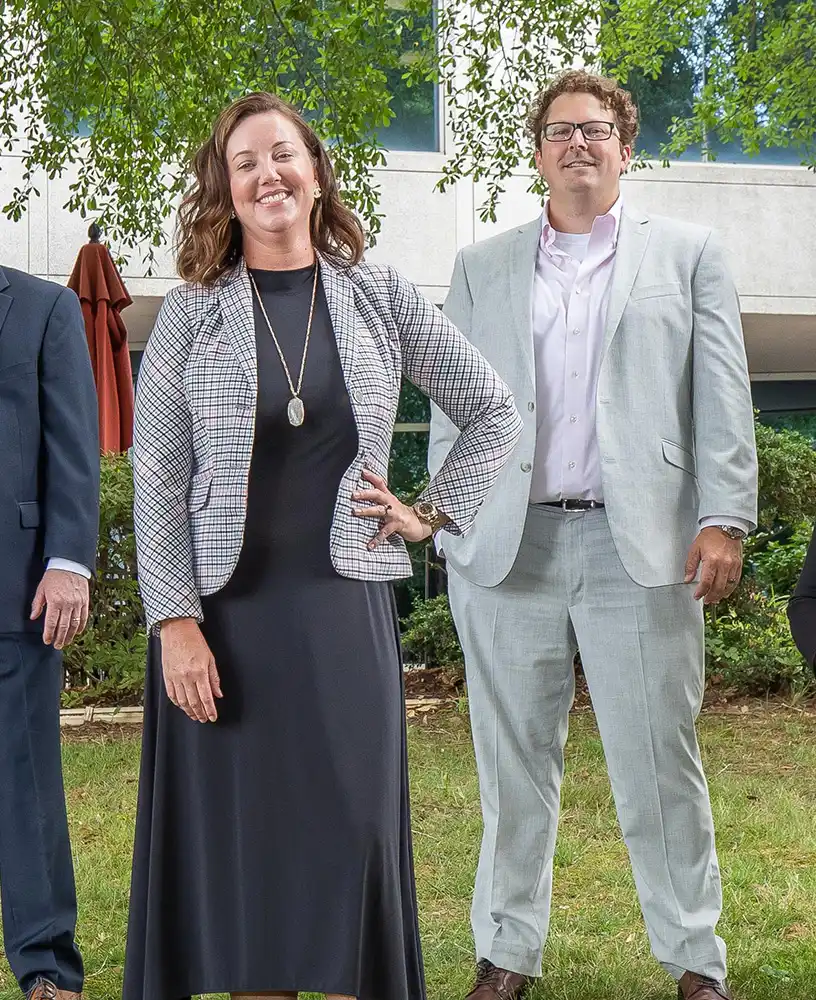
<point x="802" y="607"/>
<point x="69" y="499"/>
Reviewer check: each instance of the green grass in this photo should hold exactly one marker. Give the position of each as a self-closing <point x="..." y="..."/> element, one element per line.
<point x="762" y="771"/>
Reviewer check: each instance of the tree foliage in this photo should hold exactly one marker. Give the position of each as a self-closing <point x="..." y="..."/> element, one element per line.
<point x="751" y="63"/>
<point x="125" y="89"/>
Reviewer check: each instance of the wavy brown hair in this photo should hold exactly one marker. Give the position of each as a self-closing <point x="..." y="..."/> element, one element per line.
<point x="210" y="241"/>
<point x="577" y="81"/>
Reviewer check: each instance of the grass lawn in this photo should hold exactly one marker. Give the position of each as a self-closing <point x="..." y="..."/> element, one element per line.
<point x="762" y="771"/>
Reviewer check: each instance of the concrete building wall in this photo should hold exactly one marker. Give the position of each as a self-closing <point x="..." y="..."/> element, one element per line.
<point x="766" y="217"/>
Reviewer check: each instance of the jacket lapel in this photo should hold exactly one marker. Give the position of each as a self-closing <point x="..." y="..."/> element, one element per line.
<point x="521" y="262"/>
<point x="632" y="239"/>
<point x="237" y="315"/>
<point x="5" y="300"/>
<point x="339" y="293"/>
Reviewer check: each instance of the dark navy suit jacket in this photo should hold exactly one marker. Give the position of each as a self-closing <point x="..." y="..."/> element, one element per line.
<point x="802" y="607"/>
<point x="49" y="440"/>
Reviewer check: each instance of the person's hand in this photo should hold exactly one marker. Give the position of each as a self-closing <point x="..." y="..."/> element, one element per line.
<point x="65" y="598"/>
<point x="190" y="674"/>
<point x="395" y="516"/>
<point x="721" y="559"/>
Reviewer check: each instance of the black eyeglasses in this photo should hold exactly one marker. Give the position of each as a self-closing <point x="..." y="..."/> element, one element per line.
<point x="591" y="131"/>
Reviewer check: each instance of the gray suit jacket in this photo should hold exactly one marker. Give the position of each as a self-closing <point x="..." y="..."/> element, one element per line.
<point x="674" y="411"/>
<point x="195" y="422"/>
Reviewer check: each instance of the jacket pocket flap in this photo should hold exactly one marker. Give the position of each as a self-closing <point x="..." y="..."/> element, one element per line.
<point x="199" y="490"/>
<point x="675" y="455"/>
<point x="29" y="514"/>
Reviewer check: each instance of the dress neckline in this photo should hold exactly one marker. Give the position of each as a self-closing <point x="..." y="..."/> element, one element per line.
<point x="292" y="280"/>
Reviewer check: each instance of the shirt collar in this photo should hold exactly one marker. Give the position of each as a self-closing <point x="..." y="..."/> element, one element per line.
<point x="609" y="224"/>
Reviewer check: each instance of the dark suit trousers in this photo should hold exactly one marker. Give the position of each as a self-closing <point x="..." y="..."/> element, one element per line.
<point x="36" y="870"/>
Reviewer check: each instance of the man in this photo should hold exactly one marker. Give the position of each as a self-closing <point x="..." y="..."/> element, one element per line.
<point x="49" y="516"/>
<point x="802" y="607"/>
<point x="619" y="334"/>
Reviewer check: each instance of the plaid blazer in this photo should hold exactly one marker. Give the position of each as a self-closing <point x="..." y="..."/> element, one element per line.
<point x="195" y="420"/>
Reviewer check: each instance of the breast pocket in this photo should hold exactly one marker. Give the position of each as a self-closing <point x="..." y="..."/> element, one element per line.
<point x="656" y="291"/>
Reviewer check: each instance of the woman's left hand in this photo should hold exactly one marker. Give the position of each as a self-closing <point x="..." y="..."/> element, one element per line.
<point x="395" y="516"/>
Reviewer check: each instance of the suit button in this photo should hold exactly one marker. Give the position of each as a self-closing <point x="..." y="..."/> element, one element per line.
<point x="526" y="467"/>
<point x="531" y="406"/>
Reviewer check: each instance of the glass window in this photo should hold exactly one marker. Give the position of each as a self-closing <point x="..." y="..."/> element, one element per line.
<point x="415" y="125"/>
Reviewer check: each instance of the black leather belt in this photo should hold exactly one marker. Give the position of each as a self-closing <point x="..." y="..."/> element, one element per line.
<point x="575" y="504"/>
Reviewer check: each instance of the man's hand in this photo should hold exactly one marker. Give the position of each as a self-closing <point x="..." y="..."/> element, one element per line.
<point x="65" y="596"/>
<point x="721" y="557"/>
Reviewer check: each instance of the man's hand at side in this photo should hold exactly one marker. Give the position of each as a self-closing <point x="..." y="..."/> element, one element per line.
<point x="721" y="559"/>
<point x="65" y="599"/>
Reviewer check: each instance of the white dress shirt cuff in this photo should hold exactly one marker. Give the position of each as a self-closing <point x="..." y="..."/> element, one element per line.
<point x="733" y="522"/>
<point x="69" y="567"/>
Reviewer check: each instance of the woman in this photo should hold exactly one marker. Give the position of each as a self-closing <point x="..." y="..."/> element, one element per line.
<point x="273" y="850"/>
<point x="802" y="607"/>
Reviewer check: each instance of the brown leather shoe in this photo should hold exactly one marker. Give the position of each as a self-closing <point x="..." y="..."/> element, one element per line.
<point x="492" y="982"/>
<point x="695" y="987"/>
<point x="44" y="989"/>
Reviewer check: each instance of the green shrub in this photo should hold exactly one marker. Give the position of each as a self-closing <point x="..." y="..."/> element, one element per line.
<point x="774" y="560"/>
<point x="749" y="645"/>
<point x="106" y="663"/>
<point x="430" y="636"/>
<point x="787" y="477"/>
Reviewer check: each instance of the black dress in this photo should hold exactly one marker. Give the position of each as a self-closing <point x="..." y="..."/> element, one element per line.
<point x="273" y="848"/>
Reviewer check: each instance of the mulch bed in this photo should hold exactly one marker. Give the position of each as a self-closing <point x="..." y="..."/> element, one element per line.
<point x="431" y="690"/>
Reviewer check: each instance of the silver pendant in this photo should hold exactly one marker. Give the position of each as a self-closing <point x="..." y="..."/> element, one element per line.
<point x="296" y="411"/>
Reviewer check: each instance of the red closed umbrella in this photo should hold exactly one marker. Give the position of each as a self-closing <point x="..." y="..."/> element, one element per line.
<point x="103" y="295"/>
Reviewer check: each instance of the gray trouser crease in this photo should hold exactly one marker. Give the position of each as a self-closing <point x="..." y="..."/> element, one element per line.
<point x="643" y="658"/>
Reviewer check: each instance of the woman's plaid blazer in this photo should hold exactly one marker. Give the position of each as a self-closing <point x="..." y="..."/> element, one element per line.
<point x="195" y="420"/>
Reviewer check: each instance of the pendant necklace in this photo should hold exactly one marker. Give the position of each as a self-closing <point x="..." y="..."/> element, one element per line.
<point x="295" y="410"/>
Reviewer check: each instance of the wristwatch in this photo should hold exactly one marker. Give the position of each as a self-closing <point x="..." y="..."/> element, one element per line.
<point x="428" y="513"/>
<point x="732" y="532"/>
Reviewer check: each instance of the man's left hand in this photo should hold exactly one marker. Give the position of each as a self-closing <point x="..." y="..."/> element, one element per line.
<point x="721" y="559"/>
<point x="65" y="598"/>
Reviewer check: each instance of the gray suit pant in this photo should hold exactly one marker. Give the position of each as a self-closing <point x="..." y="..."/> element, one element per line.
<point x="642" y="653"/>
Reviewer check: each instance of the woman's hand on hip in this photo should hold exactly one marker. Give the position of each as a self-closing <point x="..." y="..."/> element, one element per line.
<point x="396" y="518"/>
<point x="190" y="674"/>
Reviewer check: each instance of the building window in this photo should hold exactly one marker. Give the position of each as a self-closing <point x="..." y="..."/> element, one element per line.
<point x="415" y="125"/>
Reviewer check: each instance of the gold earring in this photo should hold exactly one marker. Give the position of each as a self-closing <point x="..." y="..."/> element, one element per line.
<point x="317" y="192"/>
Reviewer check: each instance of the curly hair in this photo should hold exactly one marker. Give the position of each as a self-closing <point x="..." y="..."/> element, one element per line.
<point x="209" y="240"/>
<point x="577" y="81"/>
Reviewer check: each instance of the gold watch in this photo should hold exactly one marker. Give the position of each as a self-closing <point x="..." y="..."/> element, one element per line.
<point x="428" y="513"/>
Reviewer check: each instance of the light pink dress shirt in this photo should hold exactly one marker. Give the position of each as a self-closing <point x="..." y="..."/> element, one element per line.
<point x="570" y="297"/>
<point x="573" y="277"/>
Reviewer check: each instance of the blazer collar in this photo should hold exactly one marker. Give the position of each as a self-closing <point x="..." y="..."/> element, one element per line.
<point x="632" y="239"/>
<point x="521" y="264"/>
<point x="236" y="299"/>
<point x="5" y="298"/>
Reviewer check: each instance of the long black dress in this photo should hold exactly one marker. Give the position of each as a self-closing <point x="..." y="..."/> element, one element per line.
<point x="273" y="847"/>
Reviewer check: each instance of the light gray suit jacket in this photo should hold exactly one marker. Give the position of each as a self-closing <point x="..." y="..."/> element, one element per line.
<point x="674" y="413"/>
